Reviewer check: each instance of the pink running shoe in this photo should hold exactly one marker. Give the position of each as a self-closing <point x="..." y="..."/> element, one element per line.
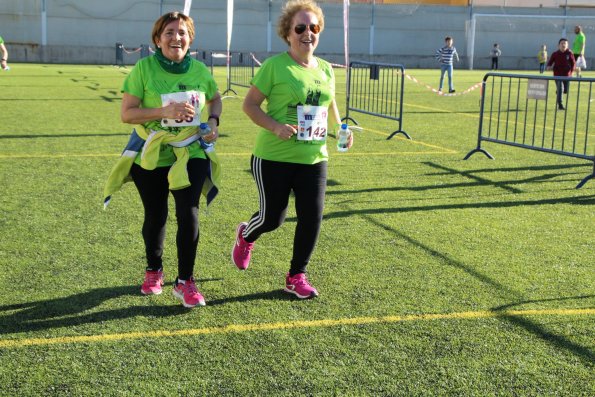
<point x="153" y="282"/>
<point x="242" y="250"/>
<point x="188" y="294"/>
<point x="299" y="286"/>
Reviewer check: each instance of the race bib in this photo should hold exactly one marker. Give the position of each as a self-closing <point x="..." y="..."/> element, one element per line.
<point x="312" y="123"/>
<point x="192" y="97"/>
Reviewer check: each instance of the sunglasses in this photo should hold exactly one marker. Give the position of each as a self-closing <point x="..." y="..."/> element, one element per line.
<point x="301" y="28"/>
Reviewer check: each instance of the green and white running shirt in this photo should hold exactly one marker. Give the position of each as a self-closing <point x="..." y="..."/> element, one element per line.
<point x="1" y="40"/>
<point x="287" y="86"/>
<point x="150" y="83"/>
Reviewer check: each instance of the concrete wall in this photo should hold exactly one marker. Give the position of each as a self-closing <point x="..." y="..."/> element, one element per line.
<point x="85" y="31"/>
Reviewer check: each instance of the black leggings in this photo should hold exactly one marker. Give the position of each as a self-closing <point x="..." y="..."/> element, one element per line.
<point x="153" y="188"/>
<point x="275" y="181"/>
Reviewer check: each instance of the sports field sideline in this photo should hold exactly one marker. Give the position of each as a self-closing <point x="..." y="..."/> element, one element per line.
<point x="438" y="276"/>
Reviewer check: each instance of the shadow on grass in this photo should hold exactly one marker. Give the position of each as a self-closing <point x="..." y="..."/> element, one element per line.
<point x="70" y="310"/>
<point x="31" y="136"/>
<point x="275" y="295"/>
<point x="504" y="291"/>
<point x="108" y="134"/>
<point x="520" y="303"/>
<point x="554" y="167"/>
<point x="479" y="182"/>
<point x="476" y="180"/>
<point x="581" y="200"/>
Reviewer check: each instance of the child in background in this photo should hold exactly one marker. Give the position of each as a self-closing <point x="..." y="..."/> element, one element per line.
<point x="495" y="53"/>
<point x="562" y="63"/>
<point x="542" y="58"/>
<point x="445" y="57"/>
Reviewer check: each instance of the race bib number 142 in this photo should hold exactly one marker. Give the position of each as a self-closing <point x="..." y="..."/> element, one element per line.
<point x="312" y="123"/>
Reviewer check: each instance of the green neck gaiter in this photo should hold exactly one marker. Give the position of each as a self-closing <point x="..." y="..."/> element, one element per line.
<point x="171" y="66"/>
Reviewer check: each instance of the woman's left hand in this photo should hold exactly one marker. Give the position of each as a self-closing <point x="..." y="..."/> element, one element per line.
<point x="212" y="137"/>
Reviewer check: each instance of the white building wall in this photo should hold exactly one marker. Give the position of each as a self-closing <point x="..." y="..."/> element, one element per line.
<point x="86" y="31"/>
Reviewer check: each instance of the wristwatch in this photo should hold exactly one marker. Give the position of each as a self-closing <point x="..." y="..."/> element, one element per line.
<point x="214" y="116"/>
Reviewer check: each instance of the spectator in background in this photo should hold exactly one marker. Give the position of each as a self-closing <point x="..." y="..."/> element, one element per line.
<point x="562" y="62"/>
<point x="4" y="59"/>
<point x="445" y="57"/>
<point x="495" y="54"/>
<point x="542" y="58"/>
<point x="578" y="49"/>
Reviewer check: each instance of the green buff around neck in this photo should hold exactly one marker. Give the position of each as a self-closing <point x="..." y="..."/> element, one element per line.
<point x="171" y="66"/>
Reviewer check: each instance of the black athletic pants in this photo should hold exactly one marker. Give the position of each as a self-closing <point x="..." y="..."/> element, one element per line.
<point x="153" y="188"/>
<point x="275" y="181"/>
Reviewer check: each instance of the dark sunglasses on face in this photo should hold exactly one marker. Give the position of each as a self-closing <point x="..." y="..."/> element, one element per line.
<point x="301" y="28"/>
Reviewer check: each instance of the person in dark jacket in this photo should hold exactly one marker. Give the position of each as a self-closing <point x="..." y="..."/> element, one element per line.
<point x="562" y="63"/>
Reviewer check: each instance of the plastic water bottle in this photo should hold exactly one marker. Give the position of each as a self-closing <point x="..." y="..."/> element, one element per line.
<point x="343" y="138"/>
<point x="204" y="130"/>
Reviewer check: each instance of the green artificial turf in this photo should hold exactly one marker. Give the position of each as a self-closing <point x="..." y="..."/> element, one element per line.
<point x="502" y="250"/>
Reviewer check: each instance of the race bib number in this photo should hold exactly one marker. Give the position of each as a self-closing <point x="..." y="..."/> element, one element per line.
<point x="192" y="97"/>
<point x="312" y="123"/>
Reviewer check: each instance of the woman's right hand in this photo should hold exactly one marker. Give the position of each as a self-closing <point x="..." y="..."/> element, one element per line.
<point x="178" y="111"/>
<point x="284" y="131"/>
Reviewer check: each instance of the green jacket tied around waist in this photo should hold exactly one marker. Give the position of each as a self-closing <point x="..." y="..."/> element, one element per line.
<point x="148" y="143"/>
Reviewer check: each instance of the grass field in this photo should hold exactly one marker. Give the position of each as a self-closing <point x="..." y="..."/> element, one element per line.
<point x="438" y="276"/>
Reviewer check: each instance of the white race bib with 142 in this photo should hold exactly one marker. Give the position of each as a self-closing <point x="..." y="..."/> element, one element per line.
<point x="312" y="123"/>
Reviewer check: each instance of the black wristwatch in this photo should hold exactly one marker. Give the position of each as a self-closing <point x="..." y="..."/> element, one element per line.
<point x="212" y="116"/>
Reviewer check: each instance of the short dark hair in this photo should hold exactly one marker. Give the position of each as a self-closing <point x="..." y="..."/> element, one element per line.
<point x="447" y="38"/>
<point x="562" y="39"/>
<point x="165" y="19"/>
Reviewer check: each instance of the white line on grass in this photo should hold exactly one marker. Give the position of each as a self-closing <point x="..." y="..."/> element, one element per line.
<point x="237" y="328"/>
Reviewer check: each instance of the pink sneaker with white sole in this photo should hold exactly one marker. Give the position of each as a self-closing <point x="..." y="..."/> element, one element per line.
<point x="188" y="293"/>
<point x="242" y="250"/>
<point x="153" y="282"/>
<point x="299" y="286"/>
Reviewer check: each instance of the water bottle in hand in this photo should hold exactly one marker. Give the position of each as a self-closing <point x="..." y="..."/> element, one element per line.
<point x="343" y="138"/>
<point x="203" y="131"/>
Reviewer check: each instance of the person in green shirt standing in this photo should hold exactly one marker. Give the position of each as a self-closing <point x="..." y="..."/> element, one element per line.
<point x="163" y="96"/>
<point x="578" y="49"/>
<point x="4" y="59"/>
<point x="290" y="153"/>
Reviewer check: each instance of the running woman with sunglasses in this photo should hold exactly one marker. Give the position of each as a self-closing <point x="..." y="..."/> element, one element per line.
<point x="291" y="152"/>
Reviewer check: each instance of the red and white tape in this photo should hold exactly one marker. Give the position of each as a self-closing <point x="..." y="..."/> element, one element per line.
<point x="412" y="78"/>
<point x="434" y="90"/>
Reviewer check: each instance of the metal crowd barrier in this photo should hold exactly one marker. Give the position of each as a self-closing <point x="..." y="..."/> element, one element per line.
<point x="240" y="69"/>
<point x="376" y="89"/>
<point x="144" y="50"/>
<point x="522" y="111"/>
